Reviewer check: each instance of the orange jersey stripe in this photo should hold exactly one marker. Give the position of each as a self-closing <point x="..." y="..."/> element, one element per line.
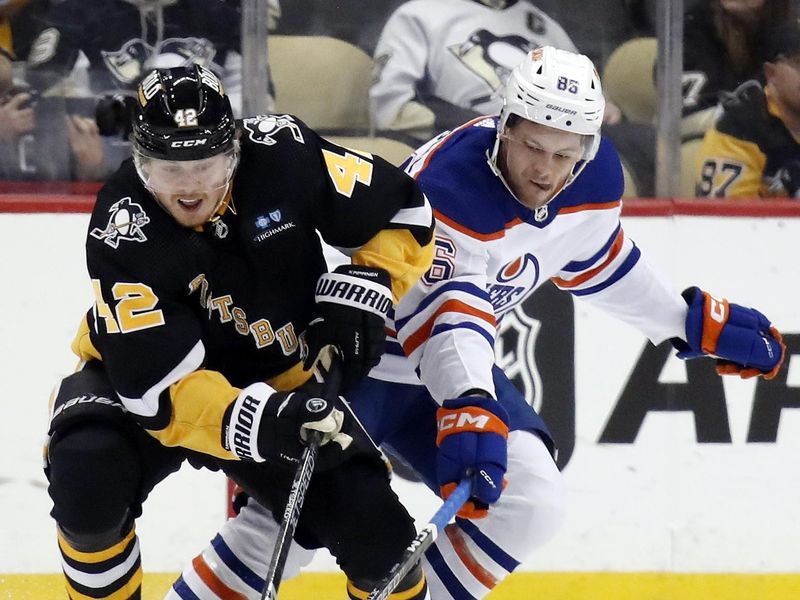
<point x="214" y="583"/>
<point x="589" y="206"/>
<point x="422" y="333"/>
<point x="484" y="237"/>
<point x="612" y="254"/>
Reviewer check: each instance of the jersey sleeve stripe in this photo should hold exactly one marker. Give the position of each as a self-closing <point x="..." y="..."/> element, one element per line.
<point x="577" y="266"/>
<point x="587" y="275"/>
<point x="147" y="406"/>
<point x="623" y="269"/>
<point x="416" y="339"/>
<point x="589" y="206"/>
<point x="446" y="288"/>
<point x="471" y="326"/>
<point x="394" y="348"/>
<point x="420" y="216"/>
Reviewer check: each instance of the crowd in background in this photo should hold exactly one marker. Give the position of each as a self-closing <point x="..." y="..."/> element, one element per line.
<point x="412" y="68"/>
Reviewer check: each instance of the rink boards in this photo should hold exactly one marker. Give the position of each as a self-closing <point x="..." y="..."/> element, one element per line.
<point x="680" y="485"/>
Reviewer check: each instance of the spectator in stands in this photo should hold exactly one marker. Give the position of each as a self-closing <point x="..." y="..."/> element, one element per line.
<point x="353" y="21"/>
<point x="20" y="23"/>
<point x="724" y="43"/>
<point x="16" y="115"/>
<point x="106" y="45"/>
<point x="754" y="147"/>
<point x="597" y="28"/>
<point x="440" y="63"/>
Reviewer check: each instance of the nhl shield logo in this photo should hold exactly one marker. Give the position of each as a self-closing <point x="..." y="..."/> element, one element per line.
<point x="126" y="223"/>
<point x="515" y="354"/>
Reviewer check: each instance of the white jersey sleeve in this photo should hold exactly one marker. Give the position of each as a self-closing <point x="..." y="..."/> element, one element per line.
<point x="447" y="327"/>
<point x="618" y="280"/>
<point x="401" y="56"/>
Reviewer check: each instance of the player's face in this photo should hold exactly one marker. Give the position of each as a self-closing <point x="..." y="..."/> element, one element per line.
<point x="783" y="77"/>
<point x="536" y="160"/>
<point x="189" y="190"/>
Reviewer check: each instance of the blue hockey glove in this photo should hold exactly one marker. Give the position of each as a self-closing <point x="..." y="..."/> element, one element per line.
<point x="743" y="340"/>
<point x="472" y="440"/>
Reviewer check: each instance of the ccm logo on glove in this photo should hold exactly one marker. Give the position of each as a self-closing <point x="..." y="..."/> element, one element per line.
<point x="742" y="339"/>
<point x="468" y="420"/>
<point x="472" y="441"/>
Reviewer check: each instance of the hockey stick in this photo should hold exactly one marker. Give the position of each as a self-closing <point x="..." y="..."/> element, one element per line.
<point x="424" y="539"/>
<point x="291" y="514"/>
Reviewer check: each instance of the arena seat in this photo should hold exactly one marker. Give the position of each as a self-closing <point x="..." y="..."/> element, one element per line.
<point x="628" y="79"/>
<point x="630" y="190"/>
<point x="323" y="80"/>
<point x="689" y="151"/>
<point x="393" y="151"/>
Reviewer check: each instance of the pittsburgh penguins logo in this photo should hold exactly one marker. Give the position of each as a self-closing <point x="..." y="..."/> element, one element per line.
<point x="136" y="56"/>
<point x="263" y="128"/>
<point x="491" y="57"/>
<point x="126" y="223"/>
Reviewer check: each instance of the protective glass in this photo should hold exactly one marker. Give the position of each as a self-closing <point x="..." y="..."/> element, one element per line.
<point x="169" y="177"/>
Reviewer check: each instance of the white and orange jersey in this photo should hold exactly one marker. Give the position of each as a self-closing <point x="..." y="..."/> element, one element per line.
<point x="492" y="253"/>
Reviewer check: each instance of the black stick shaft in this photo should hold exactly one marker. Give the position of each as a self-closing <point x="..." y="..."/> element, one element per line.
<point x="291" y="514"/>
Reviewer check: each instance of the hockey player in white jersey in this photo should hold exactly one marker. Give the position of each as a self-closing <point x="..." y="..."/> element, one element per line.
<point x="530" y="195"/>
<point x="452" y="56"/>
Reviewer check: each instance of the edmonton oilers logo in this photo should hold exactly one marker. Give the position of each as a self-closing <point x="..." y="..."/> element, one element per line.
<point x="514" y="281"/>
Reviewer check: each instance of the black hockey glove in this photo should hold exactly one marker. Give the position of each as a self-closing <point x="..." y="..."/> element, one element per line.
<point x="352" y="303"/>
<point x="264" y="424"/>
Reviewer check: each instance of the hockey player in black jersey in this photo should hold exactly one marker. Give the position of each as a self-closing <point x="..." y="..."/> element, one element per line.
<point x="212" y="306"/>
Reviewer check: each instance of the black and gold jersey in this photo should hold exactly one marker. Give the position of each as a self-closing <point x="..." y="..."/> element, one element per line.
<point x="749" y="152"/>
<point x="184" y="318"/>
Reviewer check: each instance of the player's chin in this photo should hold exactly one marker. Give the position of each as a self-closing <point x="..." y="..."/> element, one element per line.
<point x="534" y="197"/>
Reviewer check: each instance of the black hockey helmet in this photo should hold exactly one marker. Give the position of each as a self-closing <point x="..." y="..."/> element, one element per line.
<point x="182" y="113"/>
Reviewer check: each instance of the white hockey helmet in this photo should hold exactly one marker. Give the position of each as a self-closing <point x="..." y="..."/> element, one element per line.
<point x="559" y="89"/>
